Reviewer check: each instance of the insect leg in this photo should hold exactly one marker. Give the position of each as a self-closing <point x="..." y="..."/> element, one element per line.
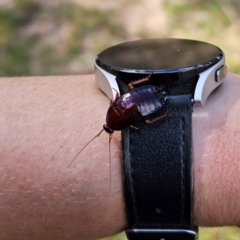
<point x="149" y="121"/>
<point x="110" y="166"/>
<point x="136" y="128"/>
<point x="132" y="85"/>
<point x="117" y="94"/>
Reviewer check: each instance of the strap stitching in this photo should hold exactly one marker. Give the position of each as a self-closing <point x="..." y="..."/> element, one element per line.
<point x="183" y="167"/>
<point x="132" y="186"/>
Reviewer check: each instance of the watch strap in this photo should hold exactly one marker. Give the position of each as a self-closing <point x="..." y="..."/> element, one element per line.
<point x="157" y="166"/>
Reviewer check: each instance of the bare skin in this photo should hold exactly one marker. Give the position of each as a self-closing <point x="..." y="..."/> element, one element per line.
<point x="44" y="123"/>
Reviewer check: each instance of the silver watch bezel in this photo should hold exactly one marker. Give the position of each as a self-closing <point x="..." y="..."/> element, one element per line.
<point x="208" y="81"/>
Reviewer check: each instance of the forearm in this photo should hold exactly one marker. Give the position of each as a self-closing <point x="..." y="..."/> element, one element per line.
<point x="45" y="122"/>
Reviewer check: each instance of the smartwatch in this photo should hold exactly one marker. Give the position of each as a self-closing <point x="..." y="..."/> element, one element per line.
<point x="157" y="150"/>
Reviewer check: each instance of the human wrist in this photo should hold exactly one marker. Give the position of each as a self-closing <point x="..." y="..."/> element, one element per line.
<point x="216" y="157"/>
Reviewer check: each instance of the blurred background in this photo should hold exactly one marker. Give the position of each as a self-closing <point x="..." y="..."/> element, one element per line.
<point x="62" y="37"/>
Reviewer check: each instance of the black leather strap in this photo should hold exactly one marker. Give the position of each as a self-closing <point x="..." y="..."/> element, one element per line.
<point x="158" y="175"/>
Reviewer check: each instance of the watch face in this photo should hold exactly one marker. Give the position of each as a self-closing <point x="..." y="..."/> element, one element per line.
<point x="160" y="55"/>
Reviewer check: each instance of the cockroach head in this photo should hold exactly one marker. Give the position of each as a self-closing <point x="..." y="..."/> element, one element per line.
<point x="107" y="129"/>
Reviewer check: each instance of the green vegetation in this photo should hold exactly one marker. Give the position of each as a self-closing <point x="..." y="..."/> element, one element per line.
<point x="37" y="38"/>
<point x="14" y="50"/>
<point x="33" y="41"/>
<point x="212" y="21"/>
<point x="224" y="233"/>
<point x="87" y="21"/>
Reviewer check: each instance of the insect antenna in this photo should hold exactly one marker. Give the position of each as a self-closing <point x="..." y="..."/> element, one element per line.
<point x="110" y="161"/>
<point x="97" y="135"/>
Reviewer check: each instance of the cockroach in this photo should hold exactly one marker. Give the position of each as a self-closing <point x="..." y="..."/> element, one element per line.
<point x="126" y="109"/>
